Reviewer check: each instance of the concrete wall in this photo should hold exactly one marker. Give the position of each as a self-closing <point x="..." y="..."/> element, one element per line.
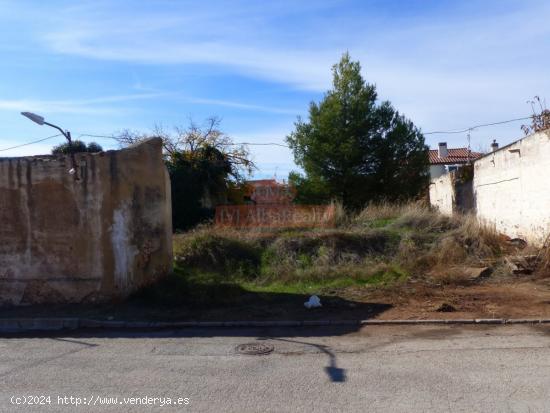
<point x="442" y="194"/>
<point x="512" y="188"/>
<point x="95" y="238"/>
<point x="453" y="192"/>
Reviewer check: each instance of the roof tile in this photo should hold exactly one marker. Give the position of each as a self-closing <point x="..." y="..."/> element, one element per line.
<point x="455" y="156"/>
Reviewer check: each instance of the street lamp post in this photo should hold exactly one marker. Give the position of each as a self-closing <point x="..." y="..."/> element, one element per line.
<point x="40" y="121"/>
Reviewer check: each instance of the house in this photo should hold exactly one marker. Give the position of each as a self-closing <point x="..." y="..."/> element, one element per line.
<point x="444" y="160"/>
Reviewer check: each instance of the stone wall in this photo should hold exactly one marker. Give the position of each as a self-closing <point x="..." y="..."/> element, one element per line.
<point x="512" y="188"/>
<point x="94" y="235"/>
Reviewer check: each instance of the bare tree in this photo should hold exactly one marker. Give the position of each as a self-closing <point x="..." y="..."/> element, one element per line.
<point x="195" y="138"/>
<point x="540" y="119"/>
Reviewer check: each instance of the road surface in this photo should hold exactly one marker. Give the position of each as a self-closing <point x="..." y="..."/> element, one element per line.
<point x="374" y="369"/>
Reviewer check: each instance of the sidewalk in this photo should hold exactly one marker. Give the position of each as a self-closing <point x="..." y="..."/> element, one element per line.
<point x="20" y="325"/>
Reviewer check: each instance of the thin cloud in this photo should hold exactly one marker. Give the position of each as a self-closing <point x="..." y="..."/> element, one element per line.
<point x="76" y="106"/>
<point x="256" y="47"/>
<point x="444" y="67"/>
<point x="49" y="107"/>
<point x="95" y="105"/>
<point x="244" y="106"/>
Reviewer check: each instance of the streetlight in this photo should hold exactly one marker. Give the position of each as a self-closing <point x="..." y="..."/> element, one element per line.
<point x="40" y="120"/>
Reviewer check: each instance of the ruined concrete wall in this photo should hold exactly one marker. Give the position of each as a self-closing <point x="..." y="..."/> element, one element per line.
<point x="442" y="194"/>
<point x="95" y="238"/>
<point x="512" y="188"/>
<point x="453" y="192"/>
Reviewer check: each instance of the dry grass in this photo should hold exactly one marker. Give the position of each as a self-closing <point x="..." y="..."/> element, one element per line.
<point x="469" y="242"/>
<point x="406" y="259"/>
<point x="384" y="241"/>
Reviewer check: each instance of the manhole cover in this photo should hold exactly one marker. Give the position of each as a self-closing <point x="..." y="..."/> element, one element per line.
<point x="254" y="349"/>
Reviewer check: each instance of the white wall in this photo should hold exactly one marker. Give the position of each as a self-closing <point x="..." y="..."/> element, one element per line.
<point x="512" y="188"/>
<point x="441" y="194"/>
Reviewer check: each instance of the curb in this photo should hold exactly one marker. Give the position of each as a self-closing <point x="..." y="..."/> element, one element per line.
<point x="20" y="325"/>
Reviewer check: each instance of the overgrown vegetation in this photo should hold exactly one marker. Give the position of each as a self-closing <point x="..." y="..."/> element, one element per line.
<point x="540" y="120"/>
<point x="76" y="147"/>
<point x="203" y="163"/>
<point x="382" y="245"/>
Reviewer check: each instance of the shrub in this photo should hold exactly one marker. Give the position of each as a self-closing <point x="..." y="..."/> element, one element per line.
<point x="404" y="239"/>
<point x="211" y="252"/>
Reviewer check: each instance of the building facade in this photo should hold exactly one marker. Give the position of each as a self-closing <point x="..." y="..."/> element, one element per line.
<point x="444" y="160"/>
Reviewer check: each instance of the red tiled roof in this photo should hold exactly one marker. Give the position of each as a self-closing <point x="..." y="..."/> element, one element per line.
<point x="455" y="156"/>
<point x="262" y="181"/>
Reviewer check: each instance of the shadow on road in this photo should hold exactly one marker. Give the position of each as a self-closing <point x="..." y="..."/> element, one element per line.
<point x="260" y="333"/>
<point x="216" y="302"/>
<point x="335" y="374"/>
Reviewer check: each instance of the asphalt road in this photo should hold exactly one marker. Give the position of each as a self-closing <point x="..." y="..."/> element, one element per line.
<point x="376" y="369"/>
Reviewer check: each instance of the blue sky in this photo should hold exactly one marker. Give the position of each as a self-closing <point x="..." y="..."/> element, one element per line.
<point x="102" y="66"/>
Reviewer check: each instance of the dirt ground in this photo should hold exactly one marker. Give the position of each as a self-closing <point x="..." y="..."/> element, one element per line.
<point x="514" y="298"/>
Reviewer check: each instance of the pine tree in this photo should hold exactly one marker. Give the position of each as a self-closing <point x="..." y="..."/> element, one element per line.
<point x="355" y="149"/>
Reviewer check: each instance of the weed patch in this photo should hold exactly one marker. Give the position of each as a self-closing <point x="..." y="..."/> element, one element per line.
<point x="208" y="251"/>
<point x="382" y="245"/>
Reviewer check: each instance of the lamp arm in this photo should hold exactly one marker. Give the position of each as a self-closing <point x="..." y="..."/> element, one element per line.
<point x="59" y="129"/>
<point x="67" y="136"/>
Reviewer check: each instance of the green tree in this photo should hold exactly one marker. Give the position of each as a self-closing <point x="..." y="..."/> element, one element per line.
<point x="76" y="147"/>
<point x="355" y="149"/>
<point x="94" y="147"/>
<point x="199" y="181"/>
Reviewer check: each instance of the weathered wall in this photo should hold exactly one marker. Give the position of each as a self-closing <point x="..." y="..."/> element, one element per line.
<point x="512" y="188"/>
<point x="442" y="194"/>
<point x="95" y="238"/>
<point x="453" y="192"/>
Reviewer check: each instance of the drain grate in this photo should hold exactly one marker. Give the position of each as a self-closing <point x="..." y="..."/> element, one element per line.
<point x="254" y="349"/>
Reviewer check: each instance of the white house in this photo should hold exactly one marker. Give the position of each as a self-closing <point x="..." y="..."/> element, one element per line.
<point x="443" y="159"/>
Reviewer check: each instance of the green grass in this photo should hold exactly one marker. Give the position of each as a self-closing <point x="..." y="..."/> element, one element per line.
<point x="382" y="246"/>
<point x="381" y="222"/>
<point x="202" y="289"/>
<point x="338" y="281"/>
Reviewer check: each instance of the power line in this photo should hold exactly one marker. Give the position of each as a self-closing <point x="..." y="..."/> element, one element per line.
<point x="30" y="143"/>
<point x="231" y="144"/>
<point x="479" y="126"/>
<point x="275" y="143"/>
<point x="426" y="133"/>
<point x="98" y="136"/>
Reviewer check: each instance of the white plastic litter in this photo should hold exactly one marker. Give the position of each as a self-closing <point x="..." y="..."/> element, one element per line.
<point x="313" y="302"/>
<point x="72" y="171"/>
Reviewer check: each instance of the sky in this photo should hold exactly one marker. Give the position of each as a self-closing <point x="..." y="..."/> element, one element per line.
<point x="99" y="67"/>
